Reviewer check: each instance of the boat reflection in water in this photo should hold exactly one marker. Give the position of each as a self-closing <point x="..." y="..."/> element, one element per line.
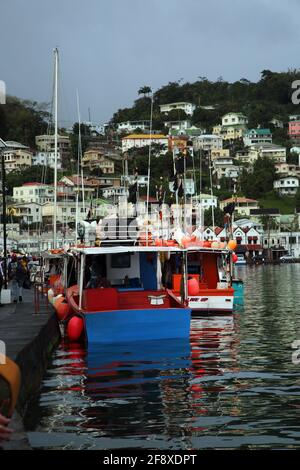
<point x="144" y="394"/>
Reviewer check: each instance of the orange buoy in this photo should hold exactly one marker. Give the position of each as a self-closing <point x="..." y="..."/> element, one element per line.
<point x="206" y="244"/>
<point x="231" y="245"/>
<point x="185" y="242"/>
<point x="193" y="286"/>
<point x="50" y="295"/>
<point x="75" y="328"/>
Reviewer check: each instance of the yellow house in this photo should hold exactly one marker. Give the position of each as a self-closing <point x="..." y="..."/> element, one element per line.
<point x="17" y="159"/>
<point x="93" y="158"/>
<point x="233" y="126"/>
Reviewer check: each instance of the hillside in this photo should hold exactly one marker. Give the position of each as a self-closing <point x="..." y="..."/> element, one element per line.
<point x="261" y="101"/>
<point x="22" y="120"/>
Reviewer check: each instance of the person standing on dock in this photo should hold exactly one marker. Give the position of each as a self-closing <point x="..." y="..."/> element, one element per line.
<point x="17" y="273"/>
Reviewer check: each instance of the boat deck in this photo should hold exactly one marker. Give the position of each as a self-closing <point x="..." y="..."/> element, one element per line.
<point x="106" y="299"/>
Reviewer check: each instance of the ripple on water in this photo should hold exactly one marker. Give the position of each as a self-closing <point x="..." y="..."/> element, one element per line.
<point x="233" y="386"/>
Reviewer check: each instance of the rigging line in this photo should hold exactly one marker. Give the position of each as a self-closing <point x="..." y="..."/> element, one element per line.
<point x="78" y="172"/>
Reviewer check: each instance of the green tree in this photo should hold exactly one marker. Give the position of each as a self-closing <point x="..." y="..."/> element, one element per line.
<point x="33" y="174"/>
<point x="218" y="217"/>
<point x="260" y="181"/>
<point x="22" y="120"/>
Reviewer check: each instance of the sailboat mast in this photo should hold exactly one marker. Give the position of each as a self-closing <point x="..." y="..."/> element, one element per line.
<point x="149" y="165"/>
<point x="55" y="146"/>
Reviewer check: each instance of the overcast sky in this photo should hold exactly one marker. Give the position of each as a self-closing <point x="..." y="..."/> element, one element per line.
<point x="109" y="48"/>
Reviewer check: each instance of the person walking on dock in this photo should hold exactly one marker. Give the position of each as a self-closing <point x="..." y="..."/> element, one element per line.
<point x="17" y="273"/>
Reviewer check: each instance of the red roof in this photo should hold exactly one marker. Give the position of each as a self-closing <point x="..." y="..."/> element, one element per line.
<point x="238" y="200"/>
<point x="151" y="199"/>
<point x="218" y="230"/>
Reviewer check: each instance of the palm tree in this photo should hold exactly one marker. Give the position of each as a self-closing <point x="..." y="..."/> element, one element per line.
<point x="144" y="90"/>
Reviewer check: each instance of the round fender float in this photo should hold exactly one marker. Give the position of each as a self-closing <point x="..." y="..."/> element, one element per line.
<point x="185" y="242"/>
<point x="62" y="308"/>
<point x="75" y="328"/>
<point x="215" y="244"/>
<point x="54" y="299"/>
<point x="193" y="286"/>
<point x="234" y="258"/>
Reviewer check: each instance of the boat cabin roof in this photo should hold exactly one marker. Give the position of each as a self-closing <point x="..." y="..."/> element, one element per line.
<point x="142" y="249"/>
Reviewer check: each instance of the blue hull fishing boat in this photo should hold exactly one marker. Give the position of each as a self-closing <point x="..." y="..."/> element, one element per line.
<point x="126" y="302"/>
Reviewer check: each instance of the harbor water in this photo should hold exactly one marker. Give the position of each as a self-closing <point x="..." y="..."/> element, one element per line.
<point x="233" y="386"/>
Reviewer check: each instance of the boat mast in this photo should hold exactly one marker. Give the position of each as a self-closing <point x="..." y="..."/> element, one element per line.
<point x="149" y="167"/>
<point x="55" y="146"/>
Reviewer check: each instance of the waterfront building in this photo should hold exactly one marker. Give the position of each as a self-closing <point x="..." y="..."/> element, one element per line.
<point x="287" y="186"/>
<point x="180" y="143"/>
<point x="224" y="168"/>
<point x="94" y="158"/>
<point x="179" y="126"/>
<point x="143" y="140"/>
<point x="257" y="136"/>
<point x="66" y="211"/>
<point x="294" y="130"/>
<point x="47" y="159"/>
<point x="131" y="126"/>
<point x="187" y="107"/>
<point x="142" y="180"/>
<point x="208" y="142"/>
<point x="28" y="212"/>
<point x="219" y="153"/>
<point x="234" y="119"/>
<point x="233" y="126"/>
<point x="17" y="159"/>
<point x="94" y="128"/>
<point x="287" y="169"/>
<point x="207" y="201"/>
<point x="280" y="242"/>
<point x="115" y="193"/>
<point x="33" y="192"/>
<point x="255" y="151"/>
<point x="243" y="205"/>
<point x="45" y="143"/>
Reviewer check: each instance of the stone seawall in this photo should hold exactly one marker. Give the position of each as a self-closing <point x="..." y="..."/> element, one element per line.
<point x="30" y="340"/>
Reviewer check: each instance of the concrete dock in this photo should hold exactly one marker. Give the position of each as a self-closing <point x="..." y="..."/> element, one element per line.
<point x="30" y="340"/>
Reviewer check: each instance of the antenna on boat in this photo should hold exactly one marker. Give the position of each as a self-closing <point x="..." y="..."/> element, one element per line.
<point x="55" y="146"/>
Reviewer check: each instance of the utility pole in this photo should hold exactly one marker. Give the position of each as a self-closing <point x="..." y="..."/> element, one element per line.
<point x="2" y="147"/>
